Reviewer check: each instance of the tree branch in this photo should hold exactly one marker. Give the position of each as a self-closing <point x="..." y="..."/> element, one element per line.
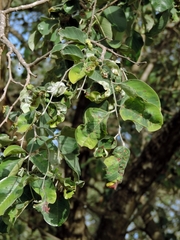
<point x="24" y="7"/>
<point x="139" y="176"/>
<point x="151" y="228"/>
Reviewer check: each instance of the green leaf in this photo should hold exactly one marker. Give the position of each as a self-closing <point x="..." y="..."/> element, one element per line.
<point x="73" y="33"/>
<point x="16" y="211"/>
<point x="69" y="149"/>
<point x="114" y="44"/>
<point x="161" y="6"/>
<point x="11" y="189"/>
<point x="105" y="27"/>
<point x="104" y="146"/>
<point x="45" y="188"/>
<point x="142" y="105"/>
<point x="145" y="114"/>
<point x="33" y="40"/>
<point x="58" y="47"/>
<point x="112" y="167"/>
<point x="135" y="87"/>
<point x="10" y="166"/>
<point x="116" y="17"/>
<point x="98" y="97"/>
<point x="72" y="52"/>
<point x="162" y="19"/>
<point x="46" y="26"/>
<point x="13" y="149"/>
<point x="93" y="129"/>
<point x="40" y="161"/>
<point x="116" y="164"/>
<point x="135" y="42"/>
<point x="70" y="188"/>
<point x="54" y="214"/>
<point x="5" y="140"/>
<point x="22" y="124"/>
<point x="76" y="73"/>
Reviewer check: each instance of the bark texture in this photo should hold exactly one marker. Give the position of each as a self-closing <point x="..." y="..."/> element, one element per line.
<point x="140" y="174"/>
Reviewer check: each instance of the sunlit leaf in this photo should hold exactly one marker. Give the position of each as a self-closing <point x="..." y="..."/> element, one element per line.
<point x="11" y="189"/>
<point x="93" y="129"/>
<point x="45" y="27"/>
<point x="76" y="73"/>
<point x="45" y="188"/>
<point x="13" y="149"/>
<point x="161" y="6"/>
<point x="142" y="105"/>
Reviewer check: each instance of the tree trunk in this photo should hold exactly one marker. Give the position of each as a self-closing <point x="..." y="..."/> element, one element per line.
<point x="140" y="174"/>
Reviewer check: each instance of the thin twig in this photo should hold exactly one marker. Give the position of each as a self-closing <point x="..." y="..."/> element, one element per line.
<point x="24" y="7"/>
<point x="92" y="18"/>
<point x="9" y="111"/>
<point x="106" y="6"/>
<point x="39" y="59"/>
<point x="10" y="75"/>
<point x="114" y="53"/>
<point x="19" y="56"/>
<point x="81" y="88"/>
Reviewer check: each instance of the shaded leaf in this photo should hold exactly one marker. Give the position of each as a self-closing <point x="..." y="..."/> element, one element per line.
<point x="73" y="33"/>
<point x="54" y="214"/>
<point x="72" y="52"/>
<point x="10" y="166"/>
<point x="116" y="17"/>
<point x="105" y="27"/>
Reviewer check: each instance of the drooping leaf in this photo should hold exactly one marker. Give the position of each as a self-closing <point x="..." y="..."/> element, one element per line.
<point x="135" y="42"/>
<point x="13" y="149"/>
<point x="70" y="188"/>
<point x="69" y="149"/>
<point x="5" y="140"/>
<point x="115" y="166"/>
<point x="10" y="166"/>
<point x="45" y="188"/>
<point x="34" y="39"/>
<point x="73" y="33"/>
<point x="93" y="129"/>
<point x="104" y="146"/>
<point x="54" y="214"/>
<point x="135" y="87"/>
<point x="72" y="52"/>
<point x="116" y="17"/>
<point x="76" y="73"/>
<point x="16" y="211"/>
<point x="161" y="6"/>
<point x="11" y="189"/>
<point x="162" y="19"/>
<point x="105" y="27"/>
<point x="45" y="27"/>
<point x="142" y="105"/>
